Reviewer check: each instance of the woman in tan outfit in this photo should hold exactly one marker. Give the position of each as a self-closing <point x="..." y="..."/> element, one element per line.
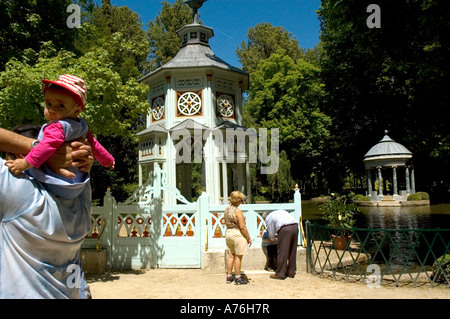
<point x="237" y="237"/>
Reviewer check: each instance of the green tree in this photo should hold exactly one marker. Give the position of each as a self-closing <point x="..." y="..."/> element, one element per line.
<point x="112" y="110"/>
<point x="285" y="94"/>
<point x="263" y="40"/>
<point x="25" y="24"/>
<point x="162" y="33"/>
<point x="111" y="106"/>
<point x="394" y="77"/>
<point x="281" y="183"/>
<point x="315" y="55"/>
<point x="117" y="30"/>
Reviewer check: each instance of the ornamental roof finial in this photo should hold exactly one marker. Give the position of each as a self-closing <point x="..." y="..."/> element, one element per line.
<point x="195" y="5"/>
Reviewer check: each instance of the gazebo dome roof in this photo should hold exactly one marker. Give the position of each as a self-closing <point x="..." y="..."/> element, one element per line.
<point x="387" y="148"/>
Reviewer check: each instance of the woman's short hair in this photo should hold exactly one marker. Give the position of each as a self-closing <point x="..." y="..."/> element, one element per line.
<point x="236" y="197"/>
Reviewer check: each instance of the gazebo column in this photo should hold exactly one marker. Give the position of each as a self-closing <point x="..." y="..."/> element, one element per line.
<point x="224" y="182"/>
<point x="369" y="182"/>
<point x="413" y="182"/>
<point x="171" y="168"/>
<point x="380" y="183"/>
<point x="408" y="188"/>
<point x="394" y="179"/>
<point x="211" y="172"/>
<point x="247" y="179"/>
<point x="241" y="177"/>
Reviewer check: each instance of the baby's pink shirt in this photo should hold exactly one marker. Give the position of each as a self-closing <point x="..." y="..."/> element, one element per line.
<point x="54" y="138"/>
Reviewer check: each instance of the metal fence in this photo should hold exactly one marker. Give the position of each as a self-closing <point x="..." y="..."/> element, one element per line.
<point x="376" y="257"/>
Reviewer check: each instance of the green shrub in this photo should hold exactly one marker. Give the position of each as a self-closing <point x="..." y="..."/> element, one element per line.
<point x="339" y="211"/>
<point x="361" y="198"/>
<point x="442" y="274"/>
<point x="419" y="196"/>
<point x="258" y="198"/>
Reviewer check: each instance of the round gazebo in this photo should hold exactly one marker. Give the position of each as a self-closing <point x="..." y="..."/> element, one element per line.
<point x="390" y="175"/>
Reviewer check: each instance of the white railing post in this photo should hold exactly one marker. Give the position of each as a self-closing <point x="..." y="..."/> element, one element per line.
<point x="203" y="214"/>
<point x="110" y="219"/>
<point x="298" y="213"/>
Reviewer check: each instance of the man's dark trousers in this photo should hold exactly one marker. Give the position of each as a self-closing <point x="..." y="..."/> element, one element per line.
<point x="287" y="251"/>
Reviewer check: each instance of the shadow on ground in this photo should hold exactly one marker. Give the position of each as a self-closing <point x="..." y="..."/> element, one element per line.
<point x="110" y="276"/>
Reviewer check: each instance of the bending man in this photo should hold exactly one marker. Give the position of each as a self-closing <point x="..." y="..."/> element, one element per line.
<point x="281" y="223"/>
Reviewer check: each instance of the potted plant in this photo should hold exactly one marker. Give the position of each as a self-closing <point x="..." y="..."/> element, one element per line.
<point x="95" y="260"/>
<point x="340" y="213"/>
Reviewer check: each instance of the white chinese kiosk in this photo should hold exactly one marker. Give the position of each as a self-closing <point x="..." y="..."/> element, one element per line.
<point x="195" y="103"/>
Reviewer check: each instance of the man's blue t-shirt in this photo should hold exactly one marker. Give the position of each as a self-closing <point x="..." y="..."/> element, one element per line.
<point x="40" y="239"/>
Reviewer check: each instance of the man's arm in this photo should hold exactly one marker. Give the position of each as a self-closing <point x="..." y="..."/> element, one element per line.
<point x="14" y="143"/>
<point x="76" y="154"/>
<point x="270" y="224"/>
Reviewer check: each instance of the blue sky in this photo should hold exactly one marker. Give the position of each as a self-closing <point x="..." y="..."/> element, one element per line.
<point x="231" y="19"/>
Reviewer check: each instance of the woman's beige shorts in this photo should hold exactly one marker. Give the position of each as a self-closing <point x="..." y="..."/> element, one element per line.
<point x="236" y="242"/>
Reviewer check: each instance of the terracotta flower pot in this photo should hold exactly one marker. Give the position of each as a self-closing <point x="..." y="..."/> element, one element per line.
<point x="340" y="242"/>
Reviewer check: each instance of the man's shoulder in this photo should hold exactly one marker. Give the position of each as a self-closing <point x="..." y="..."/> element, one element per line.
<point x="18" y="193"/>
<point x="277" y="213"/>
<point x="4" y="171"/>
<point x="3" y="168"/>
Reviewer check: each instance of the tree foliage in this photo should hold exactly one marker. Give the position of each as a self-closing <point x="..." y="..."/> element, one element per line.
<point x="25" y="24"/>
<point x="281" y="183"/>
<point x="117" y="30"/>
<point x="111" y="107"/>
<point x="361" y="80"/>
<point x="394" y="77"/>
<point x="162" y="33"/>
<point x="285" y="94"/>
<point x="112" y="110"/>
<point x="263" y="40"/>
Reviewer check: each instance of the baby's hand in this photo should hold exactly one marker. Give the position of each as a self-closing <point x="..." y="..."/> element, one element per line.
<point x="111" y="167"/>
<point x="17" y="166"/>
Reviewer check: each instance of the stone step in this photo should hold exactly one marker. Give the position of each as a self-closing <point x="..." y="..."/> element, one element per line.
<point x="214" y="260"/>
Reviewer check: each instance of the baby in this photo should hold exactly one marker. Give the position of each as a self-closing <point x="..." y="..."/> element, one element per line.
<point x="64" y="101"/>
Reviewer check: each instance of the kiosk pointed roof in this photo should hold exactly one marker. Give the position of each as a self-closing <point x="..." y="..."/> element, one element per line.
<point x="195" y="52"/>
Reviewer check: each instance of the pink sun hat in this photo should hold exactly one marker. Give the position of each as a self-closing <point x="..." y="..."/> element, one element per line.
<point x="73" y="84"/>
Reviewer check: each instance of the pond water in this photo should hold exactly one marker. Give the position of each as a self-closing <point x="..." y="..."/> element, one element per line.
<point x="398" y="248"/>
<point x="410" y="217"/>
